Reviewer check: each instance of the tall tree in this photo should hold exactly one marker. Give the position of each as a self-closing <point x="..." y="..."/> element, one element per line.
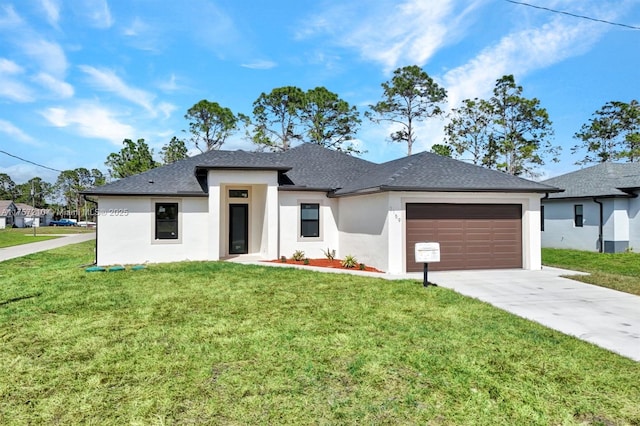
<point x="468" y="132"/>
<point x="173" y="151"/>
<point x="521" y="130"/>
<point x="613" y="133"/>
<point x="35" y="192"/>
<point x="210" y="124"/>
<point x="329" y="121"/>
<point x="410" y="97"/>
<point x="69" y="185"/>
<point x="7" y="187"/>
<point x="276" y="119"/>
<point x="443" y="150"/>
<point x="133" y="158"/>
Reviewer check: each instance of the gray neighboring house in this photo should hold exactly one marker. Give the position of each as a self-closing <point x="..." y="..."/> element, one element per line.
<point x="599" y="209"/>
<point x="223" y="204"/>
<point x="8" y="211"/>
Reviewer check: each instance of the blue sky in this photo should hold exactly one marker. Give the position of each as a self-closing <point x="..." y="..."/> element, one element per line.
<point x="77" y="77"/>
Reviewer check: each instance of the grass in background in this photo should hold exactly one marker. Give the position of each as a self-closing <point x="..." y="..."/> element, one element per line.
<point x="222" y="343"/>
<point x="619" y="271"/>
<point x="10" y="238"/>
<point x="47" y="230"/>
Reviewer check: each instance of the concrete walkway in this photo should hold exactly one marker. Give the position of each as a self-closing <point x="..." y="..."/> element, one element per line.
<point x="604" y="317"/>
<point x="7" y="253"/>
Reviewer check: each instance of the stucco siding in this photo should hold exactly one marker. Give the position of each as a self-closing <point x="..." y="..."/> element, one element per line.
<point x="363" y="229"/>
<point x="559" y="227"/>
<point x="634" y="224"/>
<point x="290" y="233"/>
<point x="126" y="231"/>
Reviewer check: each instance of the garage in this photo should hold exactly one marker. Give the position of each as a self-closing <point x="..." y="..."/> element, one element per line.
<point x="471" y="236"/>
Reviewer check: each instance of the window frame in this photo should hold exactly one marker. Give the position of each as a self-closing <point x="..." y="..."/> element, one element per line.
<point x="155" y="204"/>
<point x="578" y="218"/>
<point x="542" y="218"/>
<point x="302" y="220"/>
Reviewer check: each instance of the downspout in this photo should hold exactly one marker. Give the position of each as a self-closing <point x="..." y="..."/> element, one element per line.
<point x="95" y="250"/>
<point x="600" y="226"/>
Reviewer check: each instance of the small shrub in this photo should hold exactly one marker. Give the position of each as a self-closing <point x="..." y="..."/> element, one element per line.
<point x="363" y="266"/>
<point x="283" y="259"/>
<point x="298" y="255"/>
<point x="349" y="261"/>
<point x="329" y="254"/>
<point x="306" y="261"/>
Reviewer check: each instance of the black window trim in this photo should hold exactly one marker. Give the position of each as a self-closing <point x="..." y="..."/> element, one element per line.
<point x="303" y="221"/>
<point x="578" y="218"/>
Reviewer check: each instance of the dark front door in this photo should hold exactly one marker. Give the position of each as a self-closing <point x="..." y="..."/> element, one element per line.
<point x="238" y="228"/>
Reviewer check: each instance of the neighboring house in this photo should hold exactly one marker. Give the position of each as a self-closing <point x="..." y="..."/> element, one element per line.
<point x="222" y="204"/>
<point x="599" y="209"/>
<point x="27" y="215"/>
<point x="7" y="214"/>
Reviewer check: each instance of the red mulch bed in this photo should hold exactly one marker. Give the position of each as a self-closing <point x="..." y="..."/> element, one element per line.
<point x="325" y="263"/>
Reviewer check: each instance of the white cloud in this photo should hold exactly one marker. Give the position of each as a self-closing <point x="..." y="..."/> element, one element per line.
<point x="50" y="56"/>
<point x="9" y="67"/>
<point x="97" y="13"/>
<point x="51" y="9"/>
<point x="91" y="121"/>
<point x="10" y="87"/>
<point x="166" y="109"/>
<point x="108" y="81"/>
<point x="170" y="85"/>
<point x="59" y="88"/>
<point x="393" y="34"/>
<point x="16" y="133"/>
<point x="9" y="18"/>
<point x="260" y="65"/>
<point x="518" y="53"/>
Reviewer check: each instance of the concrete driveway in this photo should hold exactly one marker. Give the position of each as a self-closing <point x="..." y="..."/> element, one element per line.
<point x="7" y="253"/>
<point x="604" y="317"/>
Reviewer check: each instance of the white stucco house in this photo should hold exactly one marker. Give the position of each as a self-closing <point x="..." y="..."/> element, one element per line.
<point x="599" y="209"/>
<point x="222" y="204"/>
<point x="27" y="216"/>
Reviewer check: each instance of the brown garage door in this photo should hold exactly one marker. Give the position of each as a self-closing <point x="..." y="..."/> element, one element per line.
<point x="471" y="236"/>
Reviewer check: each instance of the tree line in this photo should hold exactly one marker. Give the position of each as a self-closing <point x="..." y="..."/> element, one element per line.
<point x="507" y="132"/>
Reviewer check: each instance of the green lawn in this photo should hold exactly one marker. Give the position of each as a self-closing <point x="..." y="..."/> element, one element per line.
<point x="15" y="237"/>
<point x="46" y="230"/>
<point x="222" y="343"/>
<point x="619" y="271"/>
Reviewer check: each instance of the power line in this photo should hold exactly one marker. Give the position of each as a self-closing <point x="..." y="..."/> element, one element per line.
<point x="574" y="15"/>
<point x="29" y="161"/>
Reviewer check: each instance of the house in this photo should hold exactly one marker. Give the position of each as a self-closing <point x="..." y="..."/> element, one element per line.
<point x="7" y="213"/>
<point x="221" y="204"/>
<point x="599" y="209"/>
<point x="27" y="215"/>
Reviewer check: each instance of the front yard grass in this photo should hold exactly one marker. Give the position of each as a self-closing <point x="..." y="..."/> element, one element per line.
<point x="14" y="237"/>
<point x="619" y="271"/>
<point x="222" y="343"/>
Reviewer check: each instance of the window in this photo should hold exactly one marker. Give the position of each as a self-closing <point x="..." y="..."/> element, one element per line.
<point x="542" y="218"/>
<point x="238" y="193"/>
<point x="577" y="215"/>
<point x="166" y="221"/>
<point x="310" y="220"/>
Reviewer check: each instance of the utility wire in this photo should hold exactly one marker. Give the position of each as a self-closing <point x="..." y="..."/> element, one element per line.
<point x="29" y="161"/>
<point x="574" y="15"/>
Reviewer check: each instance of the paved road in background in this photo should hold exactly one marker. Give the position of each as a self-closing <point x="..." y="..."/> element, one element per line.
<point x="7" y="253"/>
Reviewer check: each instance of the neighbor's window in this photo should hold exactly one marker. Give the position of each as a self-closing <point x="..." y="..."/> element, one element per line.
<point x="577" y="215"/>
<point x="542" y="218"/>
<point x="310" y="220"/>
<point x="166" y="221"/>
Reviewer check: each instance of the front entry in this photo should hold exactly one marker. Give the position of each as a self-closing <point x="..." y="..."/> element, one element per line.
<point x="238" y="228"/>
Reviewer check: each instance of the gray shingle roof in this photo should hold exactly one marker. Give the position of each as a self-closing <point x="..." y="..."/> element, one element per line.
<point x="602" y="180"/>
<point x="312" y="167"/>
<point x="427" y="171"/>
